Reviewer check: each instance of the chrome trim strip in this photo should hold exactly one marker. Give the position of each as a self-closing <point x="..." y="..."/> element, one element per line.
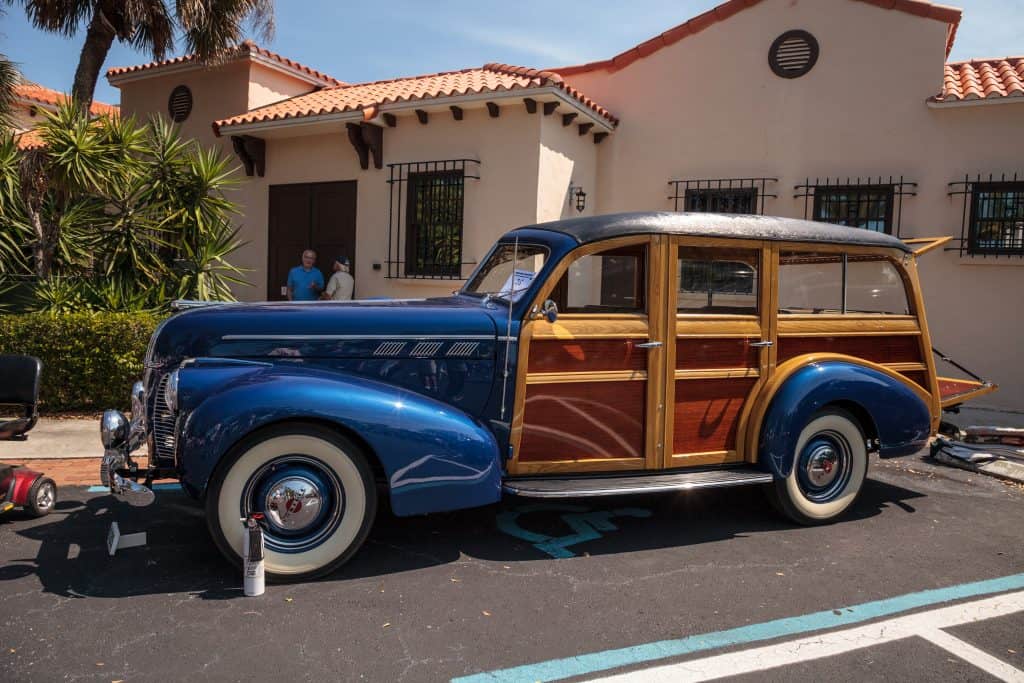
<point x="355" y="337"/>
<point x="681" y="485"/>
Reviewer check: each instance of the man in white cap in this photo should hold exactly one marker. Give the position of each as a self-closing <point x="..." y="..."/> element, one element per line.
<point x="339" y="287"/>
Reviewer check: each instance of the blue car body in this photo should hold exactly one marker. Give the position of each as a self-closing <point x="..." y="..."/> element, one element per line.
<point x="426" y="386"/>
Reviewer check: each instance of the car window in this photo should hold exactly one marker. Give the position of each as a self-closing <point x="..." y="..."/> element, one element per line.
<point x="612" y="281"/>
<point x="822" y="283"/>
<point x="718" y="280"/>
<point x="874" y="285"/>
<point x="508" y="273"/>
<point x="810" y="282"/>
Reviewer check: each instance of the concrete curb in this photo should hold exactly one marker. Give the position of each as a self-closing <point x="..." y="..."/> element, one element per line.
<point x="1002" y="469"/>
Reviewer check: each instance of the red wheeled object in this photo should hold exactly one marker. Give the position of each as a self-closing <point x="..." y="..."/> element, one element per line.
<point x="28" y="489"/>
<point x="20" y="486"/>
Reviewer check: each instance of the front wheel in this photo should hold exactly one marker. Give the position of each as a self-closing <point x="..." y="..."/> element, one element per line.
<point x="315" y="489"/>
<point x="829" y="468"/>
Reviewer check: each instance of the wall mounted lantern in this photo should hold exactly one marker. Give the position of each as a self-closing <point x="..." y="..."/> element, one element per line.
<point x="578" y="197"/>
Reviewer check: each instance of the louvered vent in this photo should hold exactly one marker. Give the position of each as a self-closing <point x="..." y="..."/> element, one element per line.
<point x="164" y="424"/>
<point x="179" y="104"/>
<point x="793" y="54"/>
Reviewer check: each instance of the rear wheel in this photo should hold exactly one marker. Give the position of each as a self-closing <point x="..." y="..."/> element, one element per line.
<point x="829" y="468"/>
<point x="315" y="489"/>
<point x="42" y="496"/>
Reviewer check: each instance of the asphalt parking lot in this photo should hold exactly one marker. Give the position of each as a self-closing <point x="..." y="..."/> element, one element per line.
<point x="696" y="585"/>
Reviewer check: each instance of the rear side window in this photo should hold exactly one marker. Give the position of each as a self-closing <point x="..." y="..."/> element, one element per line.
<point x="840" y="283"/>
<point x="874" y="285"/>
<point x="810" y="282"/>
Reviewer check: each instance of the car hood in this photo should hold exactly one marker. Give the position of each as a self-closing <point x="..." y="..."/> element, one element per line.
<point x="320" y="329"/>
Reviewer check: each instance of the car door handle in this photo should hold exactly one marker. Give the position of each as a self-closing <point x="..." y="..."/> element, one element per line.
<point x="649" y="345"/>
<point x="759" y="344"/>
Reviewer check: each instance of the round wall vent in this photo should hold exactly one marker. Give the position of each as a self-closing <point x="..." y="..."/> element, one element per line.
<point x="179" y="104"/>
<point x="793" y="54"/>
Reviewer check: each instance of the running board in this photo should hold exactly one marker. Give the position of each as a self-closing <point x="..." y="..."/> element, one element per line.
<point x="580" y="486"/>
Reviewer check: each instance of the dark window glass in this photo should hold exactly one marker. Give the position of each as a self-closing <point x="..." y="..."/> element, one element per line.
<point x="611" y="281"/>
<point x="857" y="206"/>
<point x="997" y="219"/>
<point x="729" y="200"/>
<point x="433" y="244"/>
<point x="718" y="280"/>
<point x="810" y="282"/>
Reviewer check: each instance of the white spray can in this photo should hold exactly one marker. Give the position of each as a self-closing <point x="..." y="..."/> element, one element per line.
<point x="252" y="556"/>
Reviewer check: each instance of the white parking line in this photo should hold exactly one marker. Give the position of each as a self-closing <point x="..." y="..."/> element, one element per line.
<point x="922" y="624"/>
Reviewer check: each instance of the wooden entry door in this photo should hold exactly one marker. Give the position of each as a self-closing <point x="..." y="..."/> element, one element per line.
<point x="589" y="386"/>
<point x="721" y="324"/>
<point x="318" y="216"/>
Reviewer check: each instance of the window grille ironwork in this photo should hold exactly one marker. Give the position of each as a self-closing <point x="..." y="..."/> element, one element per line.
<point x="425" y="218"/>
<point x="720" y="195"/>
<point x="869" y="203"/>
<point x="992" y="222"/>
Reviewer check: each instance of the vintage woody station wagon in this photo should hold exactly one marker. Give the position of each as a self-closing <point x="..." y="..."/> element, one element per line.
<point x="592" y="356"/>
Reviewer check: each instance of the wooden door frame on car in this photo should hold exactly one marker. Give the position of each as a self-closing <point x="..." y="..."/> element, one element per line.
<point x="642" y="327"/>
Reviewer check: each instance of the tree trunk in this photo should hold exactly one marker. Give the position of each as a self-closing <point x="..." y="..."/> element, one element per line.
<point x="98" y="40"/>
<point x="42" y="250"/>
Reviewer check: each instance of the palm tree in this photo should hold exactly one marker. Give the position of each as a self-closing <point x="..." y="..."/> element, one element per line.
<point x="208" y="27"/>
<point x="9" y="78"/>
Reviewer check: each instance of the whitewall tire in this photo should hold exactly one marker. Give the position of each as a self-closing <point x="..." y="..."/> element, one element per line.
<point x="315" y="489"/>
<point x="829" y="469"/>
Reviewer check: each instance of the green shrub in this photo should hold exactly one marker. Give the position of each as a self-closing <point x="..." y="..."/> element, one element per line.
<point x="89" y="359"/>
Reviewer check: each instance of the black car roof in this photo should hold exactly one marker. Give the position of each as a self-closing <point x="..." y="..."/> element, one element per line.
<point x="735" y="226"/>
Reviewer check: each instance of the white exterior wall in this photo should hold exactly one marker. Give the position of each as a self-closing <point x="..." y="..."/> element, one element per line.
<point x="504" y="197"/>
<point x="705" y="107"/>
<point x="710" y="107"/>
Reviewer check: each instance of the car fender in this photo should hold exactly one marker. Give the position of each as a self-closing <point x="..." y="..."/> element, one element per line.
<point x="898" y="408"/>
<point x="435" y="457"/>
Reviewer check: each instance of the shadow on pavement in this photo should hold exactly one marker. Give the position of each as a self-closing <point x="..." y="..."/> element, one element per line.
<point x="71" y="557"/>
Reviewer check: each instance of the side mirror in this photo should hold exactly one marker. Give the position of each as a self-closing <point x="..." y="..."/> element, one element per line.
<point x="549" y="310"/>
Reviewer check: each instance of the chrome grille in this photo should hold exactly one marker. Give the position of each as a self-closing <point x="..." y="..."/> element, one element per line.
<point x="425" y="349"/>
<point x="389" y="348"/>
<point x="164" y="423"/>
<point x="461" y="349"/>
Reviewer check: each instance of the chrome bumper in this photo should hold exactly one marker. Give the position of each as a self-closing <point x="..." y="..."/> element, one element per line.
<point x="121" y="438"/>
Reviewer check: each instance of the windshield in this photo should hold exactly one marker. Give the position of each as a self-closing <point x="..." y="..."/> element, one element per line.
<point x="508" y="272"/>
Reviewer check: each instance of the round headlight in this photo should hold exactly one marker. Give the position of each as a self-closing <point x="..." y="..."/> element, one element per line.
<point x="113" y="429"/>
<point x="171" y="392"/>
<point x="138" y="402"/>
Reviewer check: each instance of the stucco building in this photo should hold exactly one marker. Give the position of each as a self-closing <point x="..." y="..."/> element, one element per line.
<point x="838" y="110"/>
<point x="31" y="100"/>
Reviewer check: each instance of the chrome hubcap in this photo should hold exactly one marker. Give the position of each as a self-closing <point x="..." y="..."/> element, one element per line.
<point x="44" y="497"/>
<point x="824" y="466"/>
<point x="293" y="503"/>
<point x="301" y="498"/>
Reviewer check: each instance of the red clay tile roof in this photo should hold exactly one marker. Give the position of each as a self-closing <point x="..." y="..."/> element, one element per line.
<point x="950" y="15"/>
<point x="37" y="93"/>
<point x="369" y="97"/>
<point x="30" y="139"/>
<point x="245" y="49"/>
<point x="982" y="79"/>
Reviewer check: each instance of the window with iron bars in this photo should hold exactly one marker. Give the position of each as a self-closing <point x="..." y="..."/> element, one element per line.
<point x="720" y="195"/>
<point x="426" y="211"/>
<point x="993" y="215"/>
<point x="870" y="203"/>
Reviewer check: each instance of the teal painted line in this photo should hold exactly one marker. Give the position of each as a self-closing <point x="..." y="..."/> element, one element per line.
<point x="156" y="487"/>
<point x="582" y="665"/>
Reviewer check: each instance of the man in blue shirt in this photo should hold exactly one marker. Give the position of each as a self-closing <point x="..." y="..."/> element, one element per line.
<point x="305" y="282"/>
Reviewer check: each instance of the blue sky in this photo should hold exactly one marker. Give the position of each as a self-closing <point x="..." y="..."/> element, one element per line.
<point x="368" y="41"/>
